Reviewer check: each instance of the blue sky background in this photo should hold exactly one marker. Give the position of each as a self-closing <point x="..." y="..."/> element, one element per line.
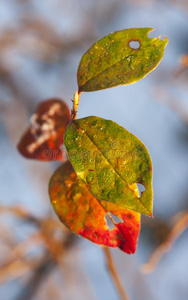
<point x="149" y="109"/>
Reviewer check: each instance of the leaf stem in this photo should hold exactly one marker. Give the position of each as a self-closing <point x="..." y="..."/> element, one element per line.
<point x="75" y="104"/>
<point x="114" y="274"/>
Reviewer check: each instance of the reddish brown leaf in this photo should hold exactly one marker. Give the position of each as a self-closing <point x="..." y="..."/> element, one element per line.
<point x="82" y="213"/>
<point x="45" y="136"/>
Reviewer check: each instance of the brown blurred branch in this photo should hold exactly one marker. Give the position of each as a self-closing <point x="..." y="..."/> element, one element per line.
<point x="39" y="274"/>
<point x="114" y="274"/>
<point x="55" y="246"/>
<point x="176" y="105"/>
<point x="20" y="212"/>
<point x="180" y="226"/>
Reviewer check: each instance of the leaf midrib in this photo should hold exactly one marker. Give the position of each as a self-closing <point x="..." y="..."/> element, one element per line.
<point x="92" y="78"/>
<point x="134" y="54"/>
<point x="89" y="137"/>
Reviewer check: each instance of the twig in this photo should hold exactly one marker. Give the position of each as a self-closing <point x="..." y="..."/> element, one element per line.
<point x="16" y="269"/>
<point x="39" y="275"/>
<point x="166" y="246"/>
<point x="75" y="104"/>
<point x="175" y="104"/>
<point x="20" y="212"/>
<point x="114" y="274"/>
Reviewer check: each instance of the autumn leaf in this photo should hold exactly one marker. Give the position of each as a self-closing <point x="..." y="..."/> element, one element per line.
<point x="83" y="214"/>
<point x="44" y="138"/>
<point x="115" y="60"/>
<point x="112" y="162"/>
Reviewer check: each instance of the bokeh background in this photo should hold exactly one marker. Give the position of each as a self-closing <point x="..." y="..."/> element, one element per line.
<point x="41" y="43"/>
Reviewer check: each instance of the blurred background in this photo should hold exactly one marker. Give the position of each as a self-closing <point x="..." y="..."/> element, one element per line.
<point x="41" y="43"/>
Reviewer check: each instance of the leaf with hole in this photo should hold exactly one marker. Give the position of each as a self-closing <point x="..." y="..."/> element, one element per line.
<point x="111" y="162"/>
<point x="82" y="213"/>
<point x="44" y="138"/>
<point x="122" y="57"/>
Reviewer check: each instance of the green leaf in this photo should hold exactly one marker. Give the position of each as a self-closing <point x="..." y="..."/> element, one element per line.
<point x="113" y="61"/>
<point x="111" y="162"/>
<point x="82" y="213"/>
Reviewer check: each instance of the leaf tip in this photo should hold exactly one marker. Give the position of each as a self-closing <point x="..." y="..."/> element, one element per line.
<point x="163" y="38"/>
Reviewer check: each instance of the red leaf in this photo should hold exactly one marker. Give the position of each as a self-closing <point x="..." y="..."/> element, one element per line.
<point x="45" y="136"/>
<point x="82" y="213"/>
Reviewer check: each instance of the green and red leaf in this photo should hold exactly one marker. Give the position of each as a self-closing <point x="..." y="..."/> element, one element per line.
<point x="112" y="162"/>
<point x="113" y="61"/>
<point x="44" y="138"/>
<point x="83" y="214"/>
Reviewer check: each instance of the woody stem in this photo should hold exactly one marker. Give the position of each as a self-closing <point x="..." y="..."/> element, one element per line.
<point x="75" y="104"/>
<point x="114" y="274"/>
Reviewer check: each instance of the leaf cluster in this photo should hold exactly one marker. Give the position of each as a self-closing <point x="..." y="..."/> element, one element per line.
<point x="106" y="182"/>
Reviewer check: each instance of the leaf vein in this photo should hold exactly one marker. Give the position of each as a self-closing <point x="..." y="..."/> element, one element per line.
<point x="89" y="137"/>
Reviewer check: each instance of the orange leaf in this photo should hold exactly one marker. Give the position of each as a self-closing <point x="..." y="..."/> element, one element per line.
<point x="45" y="136"/>
<point x="82" y="213"/>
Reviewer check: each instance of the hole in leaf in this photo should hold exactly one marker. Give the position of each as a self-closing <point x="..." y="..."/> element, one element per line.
<point x="109" y="223"/>
<point x="162" y="37"/>
<point x="155" y="34"/>
<point x="116" y="219"/>
<point x="141" y="188"/>
<point x="134" y="44"/>
<point x="137" y="189"/>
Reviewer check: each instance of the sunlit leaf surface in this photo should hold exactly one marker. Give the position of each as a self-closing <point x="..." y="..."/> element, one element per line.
<point x="122" y="57"/>
<point x="112" y="162"/>
<point x="44" y="138"/>
<point x="82" y="213"/>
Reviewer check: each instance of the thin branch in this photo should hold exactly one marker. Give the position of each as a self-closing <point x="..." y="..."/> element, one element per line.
<point x="39" y="275"/>
<point x="180" y="226"/>
<point x="21" y="212"/>
<point x="16" y="269"/>
<point x="75" y="104"/>
<point x="114" y="274"/>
